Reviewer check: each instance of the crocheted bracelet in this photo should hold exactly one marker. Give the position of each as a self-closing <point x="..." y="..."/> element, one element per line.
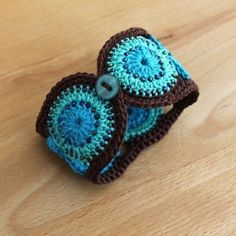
<point x="99" y="124"/>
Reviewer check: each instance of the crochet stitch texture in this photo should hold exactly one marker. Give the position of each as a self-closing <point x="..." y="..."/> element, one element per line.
<point x="100" y="137"/>
<point x="142" y="66"/>
<point x="80" y="123"/>
<point x="141" y="120"/>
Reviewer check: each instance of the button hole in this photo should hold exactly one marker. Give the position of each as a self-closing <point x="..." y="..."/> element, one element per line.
<point x="107" y="86"/>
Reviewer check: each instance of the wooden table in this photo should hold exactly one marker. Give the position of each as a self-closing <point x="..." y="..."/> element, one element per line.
<point x="184" y="185"/>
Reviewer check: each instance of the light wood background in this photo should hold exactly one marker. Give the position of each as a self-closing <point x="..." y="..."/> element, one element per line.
<point x="184" y="185"/>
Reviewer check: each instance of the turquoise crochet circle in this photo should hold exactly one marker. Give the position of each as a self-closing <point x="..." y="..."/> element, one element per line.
<point x="142" y="66"/>
<point x="141" y="121"/>
<point x="81" y="123"/>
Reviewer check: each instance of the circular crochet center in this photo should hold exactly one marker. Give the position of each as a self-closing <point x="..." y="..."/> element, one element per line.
<point x="81" y="123"/>
<point x="141" y="120"/>
<point x="143" y="66"/>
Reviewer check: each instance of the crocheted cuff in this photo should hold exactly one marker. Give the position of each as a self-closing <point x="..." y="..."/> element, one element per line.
<point x="99" y="129"/>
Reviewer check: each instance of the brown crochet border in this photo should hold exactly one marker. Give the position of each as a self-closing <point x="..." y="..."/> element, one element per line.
<point x="131" y="99"/>
<point x="186" y="98"/>
<point x="182" y="95"/>
<point x="98" y="162"/>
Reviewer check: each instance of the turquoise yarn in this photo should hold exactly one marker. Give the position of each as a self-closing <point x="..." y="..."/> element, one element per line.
<point x="178" y="66"/>
<point x="77" y="166"/>
<point x="144" y="66"/>
<point x="81" y="124"/>
<point x="77" y="122"/>
<point x="142" y="120"/>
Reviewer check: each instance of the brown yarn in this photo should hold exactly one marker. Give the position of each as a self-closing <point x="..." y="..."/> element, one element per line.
<point x="182" y="95"/>
<point x="186" y="98"/>
<point x="67" y="82"/>
<point x="120" y="114"/>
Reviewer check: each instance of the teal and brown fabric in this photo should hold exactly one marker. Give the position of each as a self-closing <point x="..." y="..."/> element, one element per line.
<point x="100" y="123"/>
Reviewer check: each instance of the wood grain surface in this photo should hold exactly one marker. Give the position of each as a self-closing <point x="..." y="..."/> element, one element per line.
<point x="184" y="185"/>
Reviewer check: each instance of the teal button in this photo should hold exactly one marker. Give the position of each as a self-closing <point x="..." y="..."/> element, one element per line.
<point x="107" y="86"/>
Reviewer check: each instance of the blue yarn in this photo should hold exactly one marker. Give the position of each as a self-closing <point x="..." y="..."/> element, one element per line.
<point x="142" y="62"/>
<point x="141" y="120"/>
<point x="136" y="117"/>
<point x="179" y="67"/>
<point x="77" y="124"/>
<point x="76" y="165"/>
<point x="80" y="124"/>
<point x="144" y="66"/>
